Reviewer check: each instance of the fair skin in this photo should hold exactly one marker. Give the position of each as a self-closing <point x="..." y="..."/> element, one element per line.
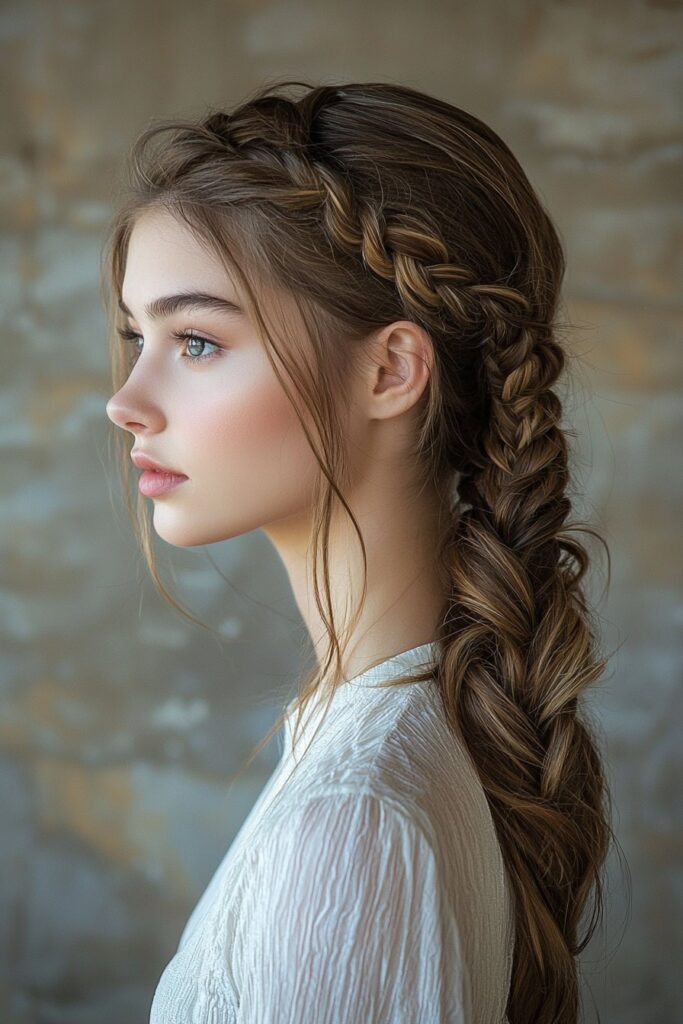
<point x="226" y="423"/>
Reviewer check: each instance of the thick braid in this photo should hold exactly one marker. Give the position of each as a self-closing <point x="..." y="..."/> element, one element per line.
<point x="513" y="692"/>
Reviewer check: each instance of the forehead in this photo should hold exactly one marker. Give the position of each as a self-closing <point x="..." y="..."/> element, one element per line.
<point x="164" y="254"/>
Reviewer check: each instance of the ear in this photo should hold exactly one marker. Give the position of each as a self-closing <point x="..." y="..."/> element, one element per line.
<point x="400" y="365"/>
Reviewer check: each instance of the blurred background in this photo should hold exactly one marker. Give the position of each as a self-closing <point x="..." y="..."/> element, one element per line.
<point x="121" y="724"/>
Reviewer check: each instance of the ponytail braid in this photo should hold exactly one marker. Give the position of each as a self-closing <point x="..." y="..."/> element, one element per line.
<point x="519" y="653"/>
<point x="372" y="202"/>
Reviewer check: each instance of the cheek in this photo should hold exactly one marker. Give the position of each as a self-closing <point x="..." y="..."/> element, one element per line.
<point x="250" y="437"/>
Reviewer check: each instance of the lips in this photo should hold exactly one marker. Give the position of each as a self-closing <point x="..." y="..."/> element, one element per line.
<point x="144" y="462"/>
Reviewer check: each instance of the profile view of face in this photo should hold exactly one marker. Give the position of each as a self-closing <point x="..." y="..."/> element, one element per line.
<point x="209" y="407"/>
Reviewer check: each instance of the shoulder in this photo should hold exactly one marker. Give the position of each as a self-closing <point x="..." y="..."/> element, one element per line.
<point x="347" y="815"/>
<point x="341" y="856"/>
<point x="344" y="838"/>
<point x="393" y="763"/>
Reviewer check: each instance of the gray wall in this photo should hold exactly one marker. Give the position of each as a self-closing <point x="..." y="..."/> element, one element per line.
<point x="121" y="723"/>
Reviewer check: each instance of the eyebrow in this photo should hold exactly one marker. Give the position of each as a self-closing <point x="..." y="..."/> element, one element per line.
<point x="166" y="305"/>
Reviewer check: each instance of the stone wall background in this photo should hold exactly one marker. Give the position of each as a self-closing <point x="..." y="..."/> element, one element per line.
<point x="120" y="722"/>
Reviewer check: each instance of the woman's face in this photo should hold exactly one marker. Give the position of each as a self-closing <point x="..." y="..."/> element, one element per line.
<point x="223" y="420"/>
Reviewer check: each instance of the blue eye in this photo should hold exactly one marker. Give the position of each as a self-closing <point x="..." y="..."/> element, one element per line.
<point x="132" y="338"/>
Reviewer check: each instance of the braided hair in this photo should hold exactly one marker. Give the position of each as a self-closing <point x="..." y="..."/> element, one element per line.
<point x="371" y="202"/>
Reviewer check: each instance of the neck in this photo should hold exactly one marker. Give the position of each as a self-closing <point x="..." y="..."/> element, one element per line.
<point x="405" y="596"/>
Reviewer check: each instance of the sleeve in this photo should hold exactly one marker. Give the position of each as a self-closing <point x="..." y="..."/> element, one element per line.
<point x="347" y="921"/>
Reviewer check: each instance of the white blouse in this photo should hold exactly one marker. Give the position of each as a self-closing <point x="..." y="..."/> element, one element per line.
<point x="367" y="889"/>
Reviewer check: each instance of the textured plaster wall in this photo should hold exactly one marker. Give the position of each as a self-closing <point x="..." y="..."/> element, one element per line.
<point x="120" y="723"/>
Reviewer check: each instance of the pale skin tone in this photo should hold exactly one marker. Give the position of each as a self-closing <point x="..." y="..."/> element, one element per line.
<point x="227" y="424"/>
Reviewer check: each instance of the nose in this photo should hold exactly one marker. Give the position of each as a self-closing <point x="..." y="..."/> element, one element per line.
<point x="131" y="413"/>
<point x="120" y="413"/>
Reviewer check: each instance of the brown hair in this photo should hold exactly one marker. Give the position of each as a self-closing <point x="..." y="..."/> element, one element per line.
<point x="367" y="203"/>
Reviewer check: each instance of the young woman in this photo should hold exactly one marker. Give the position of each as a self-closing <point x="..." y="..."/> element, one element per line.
<point x="337" y="307"/>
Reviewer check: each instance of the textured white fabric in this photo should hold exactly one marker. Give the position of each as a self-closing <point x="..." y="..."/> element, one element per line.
<point x="368" y="888"/>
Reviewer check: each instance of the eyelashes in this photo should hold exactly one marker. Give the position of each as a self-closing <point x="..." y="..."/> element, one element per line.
<point x="189" y="337"/>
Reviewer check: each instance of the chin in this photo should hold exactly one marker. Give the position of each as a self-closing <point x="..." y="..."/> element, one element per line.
<point x="178" y="533"/>
<point x="180" y="540"/>
<point x="181" y="533"/>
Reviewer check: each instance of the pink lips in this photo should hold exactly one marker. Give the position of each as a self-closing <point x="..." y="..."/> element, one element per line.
<point x="156" y="479"/>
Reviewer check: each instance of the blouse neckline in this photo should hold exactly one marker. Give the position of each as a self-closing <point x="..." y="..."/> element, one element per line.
<point x="365" y="683"/>
<point x="396" y="665"/>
